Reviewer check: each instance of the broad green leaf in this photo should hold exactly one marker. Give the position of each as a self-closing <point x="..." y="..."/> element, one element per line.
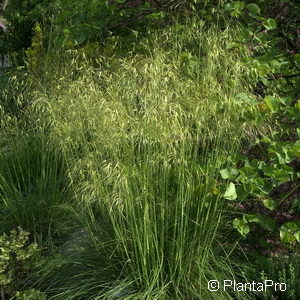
<point x="244" y="98"/>
<point x="290" y="232"/>
<point x="255" y="163"/>
<point x="270" y="24"/>
<point x="283" y="151"/>
<point x="268" y="170"/>
<point x="281" y="173"/>
<point x="263" y="221"/>
<point x="286" y="100"/>
<point x="273" y="103"/>
<point x="224" y="173"/>
<point x="229" y="6"/>
<point x="297" y="236"/>
<point x="230" y="193"/>
<point x="286" y="236"/>
<point x="268" y="224"/>
<point x="269" y="203"/>
<point x="291" y="226"/>
<point x="281" y="176"/>
<point x="253" y="8"/>
<point x="265" y="186"/>
<point x="242" y="192"/>
<point x="235" y="7"/>
<point x="248" y="172"/>
<point x="296" y="148"/>
<point x="262" y="68"/>
<point x="252" y="218"/>
<point x="241" y="226"/>
<point x="287" y="169"/>
<point x="229" y="173"/>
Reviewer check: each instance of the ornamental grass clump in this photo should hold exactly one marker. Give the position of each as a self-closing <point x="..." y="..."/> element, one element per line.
<point x="143" y="136"/>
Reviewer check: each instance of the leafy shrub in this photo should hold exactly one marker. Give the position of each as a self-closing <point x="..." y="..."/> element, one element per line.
<point x="70" y="23"/>
<point x="31" y="295"/>
<point x="266" y="180"/>
<point x="16" y="255"/>
<point x="35" y="55"/>
<point x="21" y="20"/>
